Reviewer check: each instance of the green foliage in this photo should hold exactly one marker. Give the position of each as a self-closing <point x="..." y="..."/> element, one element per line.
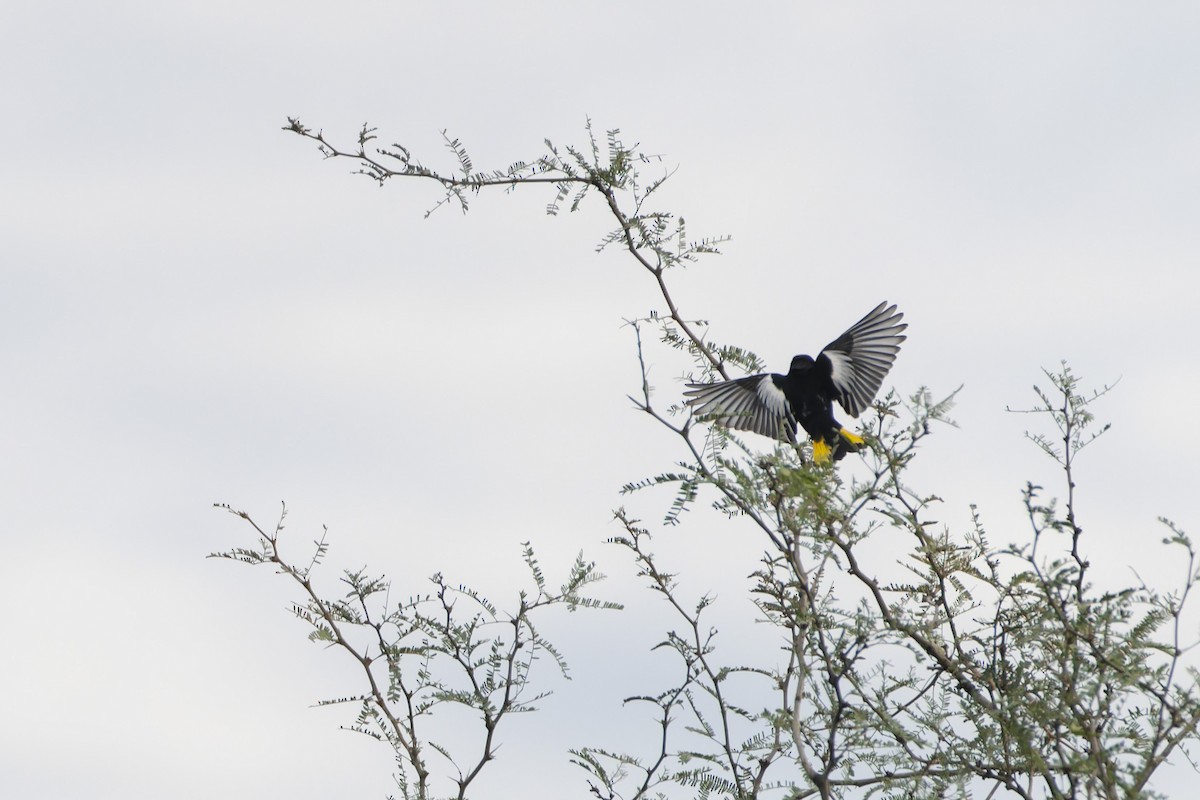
<point x="959" y="668"/>
<point x="968" y="668"/>
<point x="447" y="647"/>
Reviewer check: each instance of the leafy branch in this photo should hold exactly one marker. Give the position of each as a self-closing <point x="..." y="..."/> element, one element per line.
<point x="656" y="240"/>
<point x="447" y="647"/>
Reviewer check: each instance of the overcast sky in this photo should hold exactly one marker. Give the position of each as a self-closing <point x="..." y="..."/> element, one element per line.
<point x="195" y="308"/>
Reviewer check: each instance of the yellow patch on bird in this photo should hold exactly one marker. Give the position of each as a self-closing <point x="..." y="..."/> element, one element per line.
<point x="821" y="451"/>
<point x="851" y="438"/>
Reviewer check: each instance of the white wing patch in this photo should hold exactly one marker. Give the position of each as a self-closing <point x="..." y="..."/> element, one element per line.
<point x="746" y="404"/>
<point x="862" y="356"/>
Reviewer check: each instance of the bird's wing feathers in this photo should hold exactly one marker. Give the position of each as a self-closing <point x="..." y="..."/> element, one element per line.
<point x="862" y="356"/>
<point x="747" y="404"/>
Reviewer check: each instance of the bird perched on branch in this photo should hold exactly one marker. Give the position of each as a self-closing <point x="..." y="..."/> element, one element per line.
<point x="850" y="370"/>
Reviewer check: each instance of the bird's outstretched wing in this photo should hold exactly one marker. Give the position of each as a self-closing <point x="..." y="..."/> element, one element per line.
<point x="862" y="356"/>
<point x="746" y="404"/>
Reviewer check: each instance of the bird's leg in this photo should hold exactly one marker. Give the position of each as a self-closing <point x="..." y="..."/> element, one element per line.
<point x="821" y="451"/>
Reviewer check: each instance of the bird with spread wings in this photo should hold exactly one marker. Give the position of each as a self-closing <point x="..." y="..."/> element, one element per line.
<point x="850" y="370"/>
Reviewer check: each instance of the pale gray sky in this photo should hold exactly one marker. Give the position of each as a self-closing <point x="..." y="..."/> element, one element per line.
<point x="195" y="308"/>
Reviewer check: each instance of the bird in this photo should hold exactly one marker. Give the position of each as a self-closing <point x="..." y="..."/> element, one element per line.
<point x="850" y="370"/>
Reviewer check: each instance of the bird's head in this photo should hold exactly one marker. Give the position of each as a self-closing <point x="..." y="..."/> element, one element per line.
<point x="801" y="363"/>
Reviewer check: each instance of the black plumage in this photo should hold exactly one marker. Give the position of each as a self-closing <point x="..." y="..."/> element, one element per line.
<point x="850" y="370"/>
